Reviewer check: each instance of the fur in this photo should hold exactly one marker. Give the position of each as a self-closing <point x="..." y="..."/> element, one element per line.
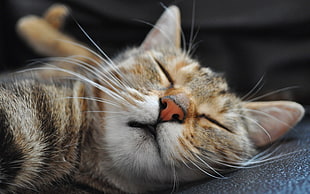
<point x="147" y="120"/>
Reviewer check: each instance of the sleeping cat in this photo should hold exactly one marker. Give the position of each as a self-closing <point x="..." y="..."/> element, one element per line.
<point x="145" y="121"/>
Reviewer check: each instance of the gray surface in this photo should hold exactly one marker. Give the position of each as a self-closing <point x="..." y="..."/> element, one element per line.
<point x="288" y="174"/>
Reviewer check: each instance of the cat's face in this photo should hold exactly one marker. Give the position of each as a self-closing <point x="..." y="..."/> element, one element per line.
<point x="170" y="117"/>
<point x="177" y="113"/>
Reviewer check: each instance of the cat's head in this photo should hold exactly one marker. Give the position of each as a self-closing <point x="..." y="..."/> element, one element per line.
<point x="168" y="118"/>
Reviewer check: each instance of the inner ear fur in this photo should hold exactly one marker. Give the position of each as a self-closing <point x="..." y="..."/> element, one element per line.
<point x="271" y="120"/>
<point x="166" y="32"/>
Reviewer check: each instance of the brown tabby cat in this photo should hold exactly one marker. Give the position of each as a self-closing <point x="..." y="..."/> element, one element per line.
<point x="144" y="121"/>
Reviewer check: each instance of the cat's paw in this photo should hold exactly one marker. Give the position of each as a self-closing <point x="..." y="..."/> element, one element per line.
<point x="43" y="33"/>
<point x="30" y="27"/>
<point x="39" y="34"/>
<point x="56" y="15"/>
<point x="44" y="36"/>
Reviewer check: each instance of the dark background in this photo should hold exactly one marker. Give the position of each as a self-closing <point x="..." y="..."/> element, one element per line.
<point x="244" y="39"/>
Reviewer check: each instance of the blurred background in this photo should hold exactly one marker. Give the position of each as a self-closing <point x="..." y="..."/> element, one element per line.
<point x="246" y="40"/>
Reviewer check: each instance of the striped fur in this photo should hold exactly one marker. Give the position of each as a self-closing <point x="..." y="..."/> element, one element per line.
<point x="147" y="120"/>
<point x="40" y="136"/>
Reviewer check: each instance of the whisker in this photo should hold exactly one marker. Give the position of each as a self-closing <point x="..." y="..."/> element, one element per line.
<point x="90" y="69"/>
<point x="202" y="170"/>
<point x="94" y="99"/>
<point x="108" y="61"/>
<point x="266" y="115"/>
<point x="214" y="158"/>
<point x="182" y="32"/>
<point x="258" y="160"/>
<point x="274" y="92"/>
<point x="174" y="178"/>
<point x="259" y="125"/>
<point x="83" y="78"/>
<point x="93" y="42"/>
<point x="192" y="27"/>
<point x="103" y="111"/>
<point x="257" y="91"/>
<point x="254" y="88"/>
<point x="273" y="159"/>
<point x="194" y="45"/>
<point x="116" y="79"/>
<point x="84" y="47"/>
<point x="206" y="164"/>
<point x="156" y="27"/>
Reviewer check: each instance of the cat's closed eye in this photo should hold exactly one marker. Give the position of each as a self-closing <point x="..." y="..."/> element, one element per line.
<point x="207" y="117"/>
<point x="165" y="73"/>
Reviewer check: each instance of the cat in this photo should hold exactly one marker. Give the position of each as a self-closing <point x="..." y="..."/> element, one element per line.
<point x="147" y="120"/>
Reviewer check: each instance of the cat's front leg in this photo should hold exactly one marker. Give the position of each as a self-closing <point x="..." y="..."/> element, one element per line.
<point x="44" y="35"/>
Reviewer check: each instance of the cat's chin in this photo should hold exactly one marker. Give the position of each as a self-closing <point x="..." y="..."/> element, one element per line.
<point x="144" y="163"/>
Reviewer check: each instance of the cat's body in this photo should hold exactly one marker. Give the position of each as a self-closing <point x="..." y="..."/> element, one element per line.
<point x="145" y="121"/>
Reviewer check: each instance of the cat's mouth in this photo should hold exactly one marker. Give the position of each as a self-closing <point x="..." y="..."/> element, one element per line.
<point x="148" y="128"/>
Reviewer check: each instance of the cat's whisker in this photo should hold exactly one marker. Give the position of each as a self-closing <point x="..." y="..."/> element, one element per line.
<point x="194" y="46"/>
<point x="103" y="111"/>
<point x="95" y="99"/>
<point x="84" y="47"/>
<point x="266" y="115"/>
<point x="181" y="29"/>
<point x="234" y="165"/>
<point x="228" y="165"/>
<point x="250" y="93"/>
<point x="96" y="45"/>
<point x="108" y="73"/>
<point x="231" y="165"/>
<point x="88" y="68"/>
<point x="267" y="154"/>
<point x="205" y="154"/>
<point x="259" y="125"/>
<point x="175" y="184"/>
<point x="96" y="65"/>
<point x="255" y="161"/>
<point x="259" y="162"/>
<point x="183" y="39"/>
<point x="271" y="150"/>
<point x="191" y="37"/>
<point x="82" y="78"/>
<point x="203" y="163"/>
<point x="202" y="170"/>
<point x="87" y="80"/>
<point x="95" y="69"/>
<point x="237" y="165"/>
<point x="110" y="61"/>
<point x="207" y="165"/>
<point x="257" y="91"/>
<point x="185" y="164"/>
<point x="158" y="28"/>
<point x="107" y="61"/>
<point x="273" y="92"/>
<point x="111" y="116"/>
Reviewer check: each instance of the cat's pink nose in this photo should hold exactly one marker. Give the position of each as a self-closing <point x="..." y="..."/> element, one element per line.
<point x="170" y="110"/>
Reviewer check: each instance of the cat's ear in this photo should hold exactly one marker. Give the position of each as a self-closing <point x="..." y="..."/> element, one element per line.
<point x="166" y="32"/>
<point x="271" y="120"/>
